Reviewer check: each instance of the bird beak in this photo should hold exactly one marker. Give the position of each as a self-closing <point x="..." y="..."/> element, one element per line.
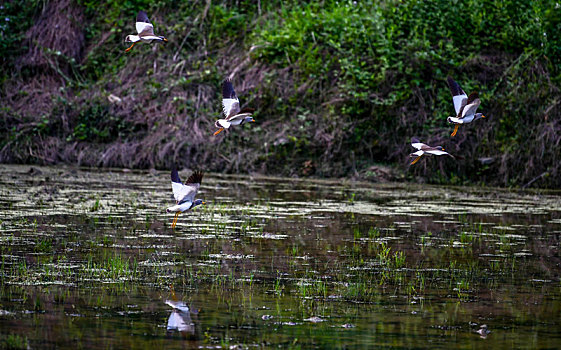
<point x="482" y="116"/>
<point x="204" y="203"/>
<point x="443" y="149"/>
<point x="253" y="120"/>
<point x="165" y="40"/>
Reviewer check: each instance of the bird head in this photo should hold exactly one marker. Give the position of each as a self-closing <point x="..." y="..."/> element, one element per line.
<point x="440" y="148"/>
<point x="478" y="116"/>
<point x="197" y="202"/>
<point x="128" y="39"/>
<point x="249" y="119"/>
<point x="449" y="120"/>
<point x="164" y="39"/>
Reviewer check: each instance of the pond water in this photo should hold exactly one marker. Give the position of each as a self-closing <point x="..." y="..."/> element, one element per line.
<point x="89" y="260"/>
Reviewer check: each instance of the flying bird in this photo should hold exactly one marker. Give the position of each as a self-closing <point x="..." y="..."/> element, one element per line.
<point x="465" y="105"/>
<point x="184" y="194"/>
<point x="425" y="149"/>
<point x="145" y="31"/>
<point x="231" y="108"/>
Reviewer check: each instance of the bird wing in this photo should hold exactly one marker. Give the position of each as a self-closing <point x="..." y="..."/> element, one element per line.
<point x="438" y="152"/>
<point x="179" y="190"/>
<point x="230" y="102"/>
<point x="179" y="305"/>
<point x="471" y="105"/>
<point x="143" y="25"/>
<point x="248" y="111"/>
<point x="185" y="192"/>
<point x="236" y="117"/>
<point x="459" y="97"/>
<point x="416" y="143"/>
<point x="176" y="321"/>
<point x="425" y="147"/>
<point x="192" y="186"/>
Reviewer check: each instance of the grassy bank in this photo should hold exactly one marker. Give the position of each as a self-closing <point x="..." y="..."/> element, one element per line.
<point x="340" y="87"/>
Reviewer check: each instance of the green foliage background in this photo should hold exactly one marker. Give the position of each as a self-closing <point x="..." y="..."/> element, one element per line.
<point x="340" y="88"/>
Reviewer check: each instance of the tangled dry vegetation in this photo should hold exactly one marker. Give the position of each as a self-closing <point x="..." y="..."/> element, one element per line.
<point x="323" y="109"/>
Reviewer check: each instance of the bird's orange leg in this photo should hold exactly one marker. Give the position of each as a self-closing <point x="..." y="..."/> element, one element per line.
<point x="455" y="130"/>
<point x="219" y="131"/>
<point x="175" y="220"/>
<point x="416" y="160"/>
<point x="172" y="292"/>
<point x="127" y="50"/>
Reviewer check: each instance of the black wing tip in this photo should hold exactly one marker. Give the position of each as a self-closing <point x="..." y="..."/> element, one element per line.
<point x="455" y="88"/>
<point x="175" y="175"/>
<point x="451" y="82"/>
<point x="142" y="17"/>
<point x="195" y="178"/>
<point x="474" y="95"/>
<point x="228" y="89"/>
<point x="247" y="110"/>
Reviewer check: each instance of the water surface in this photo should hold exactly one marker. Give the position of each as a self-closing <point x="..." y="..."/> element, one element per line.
<point x="89" y="260"/>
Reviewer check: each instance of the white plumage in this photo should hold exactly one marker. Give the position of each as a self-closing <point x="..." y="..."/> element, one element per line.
<point x="180" y="318"/>
<point x="142" y="27"/>
<point x="231" y="109"/>
<point x="423" y="149"/>
<point x="145" y="31"/>
<point x="230" y="106"/>
<point x="464" y="105"/>
<point x="184" y="194"/>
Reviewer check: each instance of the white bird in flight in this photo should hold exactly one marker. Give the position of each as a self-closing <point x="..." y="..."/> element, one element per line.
<point x="145" y="31"/>
<point x="465" y="105"/>
<point x="184" y="194"/>
<point x="423" y="149"/>
<point x="231" y="108"/>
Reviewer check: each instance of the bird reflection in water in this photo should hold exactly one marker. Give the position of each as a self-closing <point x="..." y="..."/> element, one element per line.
<point x="180" y="318"/>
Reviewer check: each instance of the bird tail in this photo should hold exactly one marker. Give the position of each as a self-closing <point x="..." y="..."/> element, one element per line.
<point x="173" y="209"/>
<point x="222" y="123"/>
